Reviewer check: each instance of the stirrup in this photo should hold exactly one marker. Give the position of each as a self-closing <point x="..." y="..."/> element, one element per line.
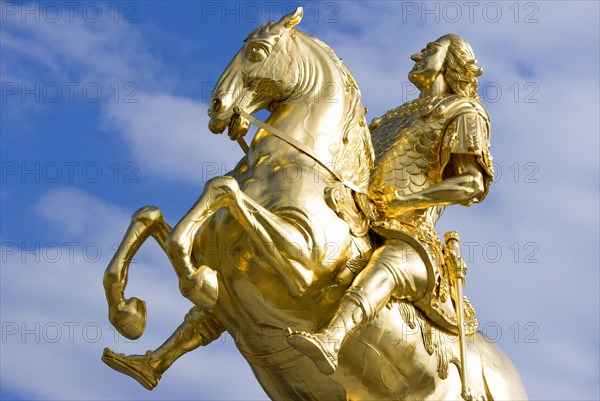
<point x="316" y="348"/>
<point x="138" y="368"/>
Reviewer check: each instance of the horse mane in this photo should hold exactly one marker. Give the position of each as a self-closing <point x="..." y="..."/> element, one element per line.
<point x="355" y="159"/>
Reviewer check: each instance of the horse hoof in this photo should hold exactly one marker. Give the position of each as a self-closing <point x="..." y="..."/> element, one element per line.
<point x="202" y="287"/>
<point x="129" y="318"/>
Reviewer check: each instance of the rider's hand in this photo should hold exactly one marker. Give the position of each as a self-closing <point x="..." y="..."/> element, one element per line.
<point x="393" y="203"/>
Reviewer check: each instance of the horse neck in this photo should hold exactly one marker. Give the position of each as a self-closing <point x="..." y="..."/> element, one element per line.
<point x="324" y="110"/>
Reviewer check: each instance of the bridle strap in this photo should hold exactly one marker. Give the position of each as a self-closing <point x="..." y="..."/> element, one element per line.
<point x="300" y="146"/>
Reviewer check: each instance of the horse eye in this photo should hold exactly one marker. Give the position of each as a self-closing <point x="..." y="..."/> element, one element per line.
<point x="257" y="53"/>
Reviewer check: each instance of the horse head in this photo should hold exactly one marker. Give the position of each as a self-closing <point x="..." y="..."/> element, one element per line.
<point x="262" y="72"/>
<point x="287" y="71"/>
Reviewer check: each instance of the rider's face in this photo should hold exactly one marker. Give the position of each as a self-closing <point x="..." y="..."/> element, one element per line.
<point x="429" y="63"/>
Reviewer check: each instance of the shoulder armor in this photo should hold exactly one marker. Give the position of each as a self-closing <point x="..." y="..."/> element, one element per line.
<point x="467" y="131"/>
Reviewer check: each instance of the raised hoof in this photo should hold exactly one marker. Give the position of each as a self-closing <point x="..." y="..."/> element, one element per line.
<point x="129" y="318"/>
<point x="316" y="348"/>
<point x="134" y="366"/>
<point x="201" y="288"/>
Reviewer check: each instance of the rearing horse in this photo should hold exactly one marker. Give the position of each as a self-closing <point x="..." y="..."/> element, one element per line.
<point x="285" y="239"/>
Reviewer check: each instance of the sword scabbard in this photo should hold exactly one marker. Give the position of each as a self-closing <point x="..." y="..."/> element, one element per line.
<point x="457" y="272"/>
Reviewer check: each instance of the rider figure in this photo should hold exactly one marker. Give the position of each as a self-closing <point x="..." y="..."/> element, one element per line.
<point x="430" y="152"/>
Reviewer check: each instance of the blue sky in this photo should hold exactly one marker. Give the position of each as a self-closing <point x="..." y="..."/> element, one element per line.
<point x="103" y="110"/>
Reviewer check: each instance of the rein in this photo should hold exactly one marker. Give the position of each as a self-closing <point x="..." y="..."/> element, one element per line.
<point x="300" y="146"/>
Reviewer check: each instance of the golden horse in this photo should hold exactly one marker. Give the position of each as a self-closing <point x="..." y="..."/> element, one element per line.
<point x="274" y="243"/>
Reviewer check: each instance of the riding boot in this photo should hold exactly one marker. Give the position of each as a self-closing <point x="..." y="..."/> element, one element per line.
<point x="199" y="328"/>
<point x="323" y="346"/>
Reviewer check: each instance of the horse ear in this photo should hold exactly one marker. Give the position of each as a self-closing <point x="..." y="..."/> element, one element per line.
<point x="292" y="19"/>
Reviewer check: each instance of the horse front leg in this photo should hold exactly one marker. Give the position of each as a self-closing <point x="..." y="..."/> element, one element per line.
<point x="128" y="316"/>
<point x="289" y="245"/>
<point x="198" y="284"/>
<point x="269" y="232"/>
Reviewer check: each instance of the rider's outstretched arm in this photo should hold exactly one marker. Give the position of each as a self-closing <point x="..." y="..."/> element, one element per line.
<point x="465" y="184"/>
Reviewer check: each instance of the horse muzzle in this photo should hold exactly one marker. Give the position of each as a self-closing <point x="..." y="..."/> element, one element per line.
<point x="220" y="116"/>
<point x="237" y="125"/>
<point x="218" y="125"/>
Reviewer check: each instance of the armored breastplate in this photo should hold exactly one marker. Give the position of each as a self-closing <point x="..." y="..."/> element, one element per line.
<point x="407" y="145"/>
<point x="407" y="149"/>
<point x="412" y="150"/>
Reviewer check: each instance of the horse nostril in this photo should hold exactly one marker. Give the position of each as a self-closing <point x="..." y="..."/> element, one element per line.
<point x="216" y="105"/>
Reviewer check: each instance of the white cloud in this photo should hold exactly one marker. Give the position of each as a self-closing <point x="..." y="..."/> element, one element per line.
<point x="167" y="133"/>
<point x="80" y="50"/>
<point x="169" y="137"/>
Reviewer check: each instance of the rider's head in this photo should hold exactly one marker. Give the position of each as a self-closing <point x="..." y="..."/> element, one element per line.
<point x="460" y="67"/>
<point x="447" y="64"/>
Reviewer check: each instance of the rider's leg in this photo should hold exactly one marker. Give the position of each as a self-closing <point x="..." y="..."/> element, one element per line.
<point x="199" y="328"/>
<point x="389" y="272"/>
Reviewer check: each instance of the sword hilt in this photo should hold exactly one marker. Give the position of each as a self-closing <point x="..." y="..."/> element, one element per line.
<point x="457" y="268"/>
